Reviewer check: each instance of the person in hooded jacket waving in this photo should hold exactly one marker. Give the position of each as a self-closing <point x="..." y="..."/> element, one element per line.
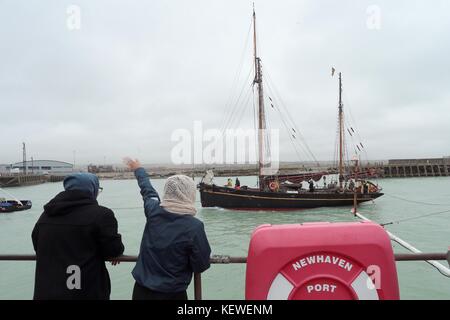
<point x="174" y="244"/>
<point x="72" y="239"/>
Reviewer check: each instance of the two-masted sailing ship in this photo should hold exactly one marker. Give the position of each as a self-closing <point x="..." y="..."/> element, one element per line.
<point x="286" y="191"/>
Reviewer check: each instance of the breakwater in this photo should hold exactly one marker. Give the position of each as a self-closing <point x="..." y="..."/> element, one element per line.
<point x="416" y="168"/>
<point x="27" y="180"/>
<point x="405" y="168"/>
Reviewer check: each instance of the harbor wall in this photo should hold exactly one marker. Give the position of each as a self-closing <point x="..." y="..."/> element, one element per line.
<point x="385" y="169"/>
<point x="416" y="168"/>
<point x="7" y="181"/>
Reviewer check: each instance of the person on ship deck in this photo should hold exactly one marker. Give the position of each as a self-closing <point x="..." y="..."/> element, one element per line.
<point x="311" y="186"/>
<point x="237" y="184"/>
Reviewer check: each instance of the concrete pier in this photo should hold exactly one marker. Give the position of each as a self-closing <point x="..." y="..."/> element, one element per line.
<point x="27" y="180"/>
<point x="415" y="168"/>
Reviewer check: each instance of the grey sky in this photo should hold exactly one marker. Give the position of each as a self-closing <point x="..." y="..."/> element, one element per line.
<point x="138" y="70"/>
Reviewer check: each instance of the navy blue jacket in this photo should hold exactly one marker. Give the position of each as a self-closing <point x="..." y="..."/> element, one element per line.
<point x="173" y="246"/>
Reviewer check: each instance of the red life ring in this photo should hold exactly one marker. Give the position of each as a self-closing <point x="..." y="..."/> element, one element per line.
<point x="321" y="261"/>
<point x="273" y="186"/>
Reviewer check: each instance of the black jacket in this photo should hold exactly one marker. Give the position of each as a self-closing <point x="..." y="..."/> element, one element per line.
<point x="73" y="237"/>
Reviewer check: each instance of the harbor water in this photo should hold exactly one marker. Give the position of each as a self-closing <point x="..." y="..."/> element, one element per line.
<point x="229" y="234"/>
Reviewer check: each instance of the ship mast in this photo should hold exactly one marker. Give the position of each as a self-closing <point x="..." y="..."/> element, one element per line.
<point x="261" y="113"/>
<point x="341" y="135"/>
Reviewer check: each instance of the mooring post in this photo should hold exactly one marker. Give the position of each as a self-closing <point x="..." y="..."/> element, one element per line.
<point x="197" y="286"/>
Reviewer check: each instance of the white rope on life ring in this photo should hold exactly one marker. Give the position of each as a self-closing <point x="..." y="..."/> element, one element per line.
<point x="281" y="288"/>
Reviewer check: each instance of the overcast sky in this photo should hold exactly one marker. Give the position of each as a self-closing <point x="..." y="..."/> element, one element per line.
<point x="136" y="71"/>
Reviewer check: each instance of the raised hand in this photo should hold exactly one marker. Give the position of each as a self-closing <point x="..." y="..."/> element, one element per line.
<point x="132" y="164"/>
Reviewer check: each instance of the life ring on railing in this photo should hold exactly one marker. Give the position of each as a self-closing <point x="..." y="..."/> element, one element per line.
<point x="274" y="186"/>
<point x="324" y="287"/>
<point x="321" y="261"/>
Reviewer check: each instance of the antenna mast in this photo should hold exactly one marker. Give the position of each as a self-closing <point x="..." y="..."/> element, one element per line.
<point x="24" y="155"/>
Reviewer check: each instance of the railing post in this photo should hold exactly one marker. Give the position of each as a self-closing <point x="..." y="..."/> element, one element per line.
<point x="197" y="286"/>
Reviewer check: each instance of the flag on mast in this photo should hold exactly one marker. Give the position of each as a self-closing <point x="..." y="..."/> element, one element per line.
<point x="333" y="70"/>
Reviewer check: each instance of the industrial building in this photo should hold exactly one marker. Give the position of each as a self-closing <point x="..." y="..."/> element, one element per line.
<point x="42" y="167"/>
<point x="5" y="169"/>
<point x="100" y="169"/>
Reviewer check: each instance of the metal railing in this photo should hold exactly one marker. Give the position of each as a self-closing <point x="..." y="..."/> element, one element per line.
<point x="223" y="259"/>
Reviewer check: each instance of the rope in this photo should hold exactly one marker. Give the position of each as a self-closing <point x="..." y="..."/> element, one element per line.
<point x="414" y="218"/>
<point x="289" y="124"/>
<point x="438" y="266"/>
<point x="287" y="127"/>
<point x="10" y="195"/>
<point x="238" y="75"/>
<point x="355" y="125"/>
<point x="293" y="124"/>
<point x="418" y="202"/>
<point x="235" y="109"/>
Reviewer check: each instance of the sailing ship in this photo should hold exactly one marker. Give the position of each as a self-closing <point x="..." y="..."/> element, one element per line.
<point x="285" y="191"/>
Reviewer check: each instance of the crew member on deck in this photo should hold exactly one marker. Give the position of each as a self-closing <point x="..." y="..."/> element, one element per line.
<point x="351" y="185"/>
<point x="237" y="184"/>
<point x="366" y="188"/>
<point x="311" y="185"/>
<point x="229" y="183"/>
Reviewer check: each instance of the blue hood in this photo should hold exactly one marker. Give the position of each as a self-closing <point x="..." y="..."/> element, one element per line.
<point x="86" y="182"/>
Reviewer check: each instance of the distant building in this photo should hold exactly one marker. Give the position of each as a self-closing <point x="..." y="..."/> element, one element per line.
<point x="99" y="169"/>
<point x="43" y="167"/>
<point x="5" y="168"/>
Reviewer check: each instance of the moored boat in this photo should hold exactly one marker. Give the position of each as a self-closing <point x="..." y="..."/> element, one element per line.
<point x="14" y="205"/>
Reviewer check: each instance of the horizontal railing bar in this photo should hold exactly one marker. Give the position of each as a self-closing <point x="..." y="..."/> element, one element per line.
<point x="222" y="259"/>
<point x="219" y="259"/>
<point x="422" y="257"/>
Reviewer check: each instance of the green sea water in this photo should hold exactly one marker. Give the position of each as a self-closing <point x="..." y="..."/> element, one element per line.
<point x="229" y="234"/>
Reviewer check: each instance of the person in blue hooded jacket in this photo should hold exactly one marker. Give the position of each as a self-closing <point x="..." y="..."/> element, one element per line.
<point x="72" y="239"/>
<point x="174" y="243"/>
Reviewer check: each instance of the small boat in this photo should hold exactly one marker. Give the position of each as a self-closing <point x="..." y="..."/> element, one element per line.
<point x="14" y="205"/>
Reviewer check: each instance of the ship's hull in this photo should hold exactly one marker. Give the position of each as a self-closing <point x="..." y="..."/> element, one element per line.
<point x="215" y="196"/>
<point x="14" y="206"/>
